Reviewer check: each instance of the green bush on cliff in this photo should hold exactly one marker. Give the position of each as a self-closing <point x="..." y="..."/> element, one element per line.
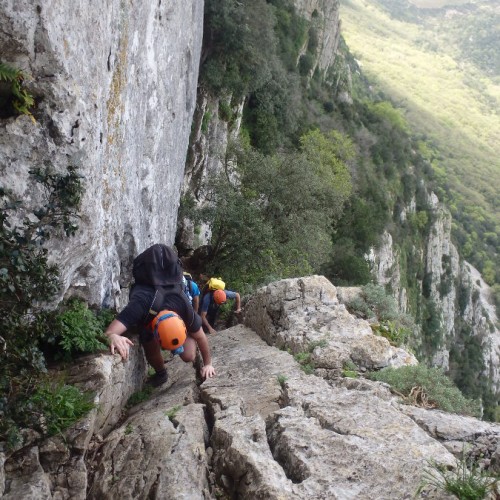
<point x="374" y="302"/>
<point x="275" y="219"/>
<point x="27" y="283"/>
<point x="427" y="387"/>
<point x="77" y="330"/>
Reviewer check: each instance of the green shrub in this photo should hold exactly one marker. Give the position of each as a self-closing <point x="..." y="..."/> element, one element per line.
<point x="225" y="111"/>
<point x="27" y="282"/>
<point x="427" y="387"/>
<point x="61" y="405"/>
<point x="373" y="301"/>
<point x="281" y="380"/>
<point x="467" y="481"/>
<point x="48" y="407"/>
<point x="205" y="121"/>
<point x="349" y="369"/>
<point x="304" y="360"/>
<point x="317" y="343"/>
<point x="397" y="336"/>
<point x="17" y="96"/>
<point x="306" y="63"/>
<point x="79" y="330"/>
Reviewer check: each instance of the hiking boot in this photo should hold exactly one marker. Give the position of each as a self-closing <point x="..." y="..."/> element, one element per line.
<point x="158" y="378"/>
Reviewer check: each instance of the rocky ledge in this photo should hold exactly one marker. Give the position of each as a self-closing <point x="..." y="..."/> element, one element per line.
<point x="262" y="428"/>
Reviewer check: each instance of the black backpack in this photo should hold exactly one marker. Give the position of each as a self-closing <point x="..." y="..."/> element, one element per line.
<point x="158" y="266"/>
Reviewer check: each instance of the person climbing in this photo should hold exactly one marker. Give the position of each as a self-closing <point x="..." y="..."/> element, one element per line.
<point x="158" y="305"/>
<point x="211" y="302"/>
<point x="191" y="290"/>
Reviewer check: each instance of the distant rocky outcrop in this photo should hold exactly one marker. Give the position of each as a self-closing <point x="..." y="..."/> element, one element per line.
<point x="462" y="299"/>
<point x="261" y="428"/>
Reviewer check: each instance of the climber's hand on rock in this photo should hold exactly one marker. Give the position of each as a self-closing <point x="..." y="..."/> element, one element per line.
<point x="119" y="344"/>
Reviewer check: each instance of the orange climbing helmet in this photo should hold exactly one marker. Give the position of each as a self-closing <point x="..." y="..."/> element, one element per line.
<point x="219" y="297"/>
<point x="169" y="330"/>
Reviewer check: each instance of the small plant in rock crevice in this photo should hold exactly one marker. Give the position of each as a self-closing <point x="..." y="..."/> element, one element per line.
<point x="466" y="482"/>
<point x="172" y="412"/>
<point x="140" y="396"/>
<point x="15" y="95"/>
<point x="304" y="360"/>
<point x="282" y="380"/>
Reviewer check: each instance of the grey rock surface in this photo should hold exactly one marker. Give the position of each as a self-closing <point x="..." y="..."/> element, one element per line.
<point x="304" y="315"/>
<point x="159" y="450"/>
<point x="279" y="433"/>
<point x="115" y="84"/>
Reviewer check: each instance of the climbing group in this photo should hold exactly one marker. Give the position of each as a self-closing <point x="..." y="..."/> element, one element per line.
<point x="171" y="311"/>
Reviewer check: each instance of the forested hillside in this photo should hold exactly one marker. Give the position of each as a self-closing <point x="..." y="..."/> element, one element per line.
<point x="441" y="66"/>
<point x="322" y="164"/>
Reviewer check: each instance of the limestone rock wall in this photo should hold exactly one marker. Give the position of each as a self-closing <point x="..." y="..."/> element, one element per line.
<point x="115" y="84"/>
<point x="324" y="15"/>
<point x="455" y="287"/>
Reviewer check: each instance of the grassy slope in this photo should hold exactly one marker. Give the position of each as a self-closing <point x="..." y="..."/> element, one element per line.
<point x="446" y="100"/>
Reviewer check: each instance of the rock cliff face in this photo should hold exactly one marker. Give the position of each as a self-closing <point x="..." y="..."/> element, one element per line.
<point x="261" y="428"/>
<point x="115" y="85"/>
<point x="463" y="301"/>
<point x="324" y="16"/>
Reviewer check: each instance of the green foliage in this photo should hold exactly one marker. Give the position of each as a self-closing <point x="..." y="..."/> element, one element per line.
<point x="49" y="407"/>
<point x="61" y="405"/>
<point x="28" y="281"/>
<point x="304" y="360"/>
<point x="457" y="115"/>
<point x="140" y="396"/>
<point x="225" y="111"/>
<point x="349" y="365"/>
<point x="432" y="330"/>
<point x="467" y="481"/>
<point x="347" y="264"/>
<point x="264" y="226"/>
<point x="374" y="301"/>
<point x="237" y="40"/>
<point x="306" y="64"/>
<point x="282" y="380"/>
<point x="17" y="96"/>
<point x="291" y="32"/>
<point x="318" y="343"/>
<point x="78" y="330"/>
<point x="396" y="335"/>
<point x="467" y="369"/>
<point x="172" y="412"/>
<point x="385" y="112"/>
<point x="428" y="387"/>
<point x="26" y="278"/>
<point x="205" y="121"/>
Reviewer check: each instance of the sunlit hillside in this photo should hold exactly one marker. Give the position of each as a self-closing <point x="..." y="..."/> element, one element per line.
<point x="442" y="67"/>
